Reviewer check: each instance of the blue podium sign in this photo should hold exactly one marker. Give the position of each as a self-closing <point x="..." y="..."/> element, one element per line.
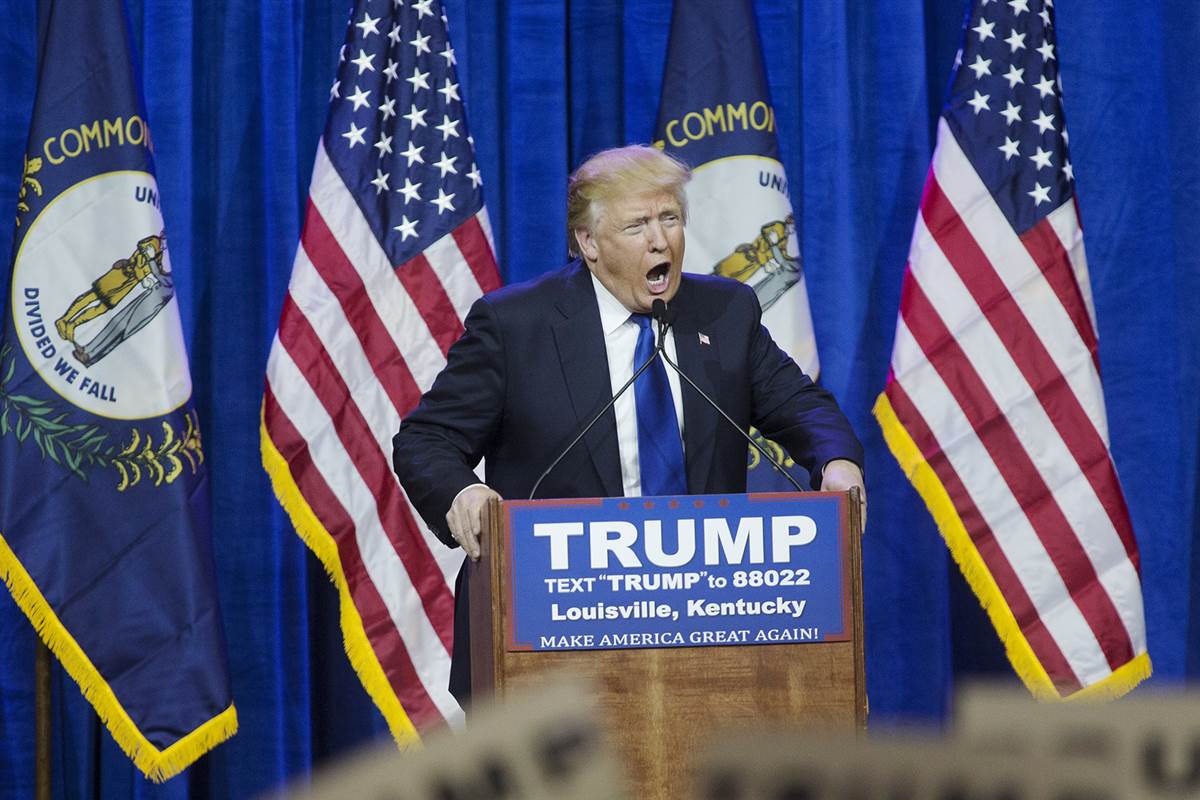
<point x="682" y="571"/>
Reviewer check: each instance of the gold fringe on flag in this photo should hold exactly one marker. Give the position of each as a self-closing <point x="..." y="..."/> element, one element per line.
<point x="979" y="577"/>
<point x="354" y="638"/>
<point x="157" y="765"/>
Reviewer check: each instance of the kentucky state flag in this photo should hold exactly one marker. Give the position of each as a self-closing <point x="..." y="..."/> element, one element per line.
<point x="104" y="508"/>
<point x="716" y="116"/>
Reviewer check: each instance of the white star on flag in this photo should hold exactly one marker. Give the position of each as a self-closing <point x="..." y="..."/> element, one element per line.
<point x="449" y="127"/>
<point x="1016" y="41"/>
<point x="355" y="135"/>
<point x="359" y="98"/>
<point x="984" y="29"/>
<point x="1041" y="158"/>
<point x="979" y="102"/>
<point x="442" y="201"/>
<point x="450" y="90"/>
<point x="446" y="164"/>
<point x="409" y="190"/>
<point x="419" y="80"/>
<point x="413" y="153"/>
<point x="368" y="25"/>
<point x="380" y="181"/>
<point x="407" y="227"/>
<point x="364" y="62"/>
<point x="420" y="44"/>
<point x="416" y="117"/>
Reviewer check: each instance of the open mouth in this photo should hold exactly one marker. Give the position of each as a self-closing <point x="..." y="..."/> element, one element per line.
<point x="657" y="277"/>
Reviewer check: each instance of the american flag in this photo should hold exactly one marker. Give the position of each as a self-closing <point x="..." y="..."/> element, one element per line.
<point x="994" y="406"/>
<point x="395" y="247"/>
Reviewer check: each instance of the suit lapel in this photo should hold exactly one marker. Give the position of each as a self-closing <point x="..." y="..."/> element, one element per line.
<point x="584" y="359"/>
<point x="702" y="363"/>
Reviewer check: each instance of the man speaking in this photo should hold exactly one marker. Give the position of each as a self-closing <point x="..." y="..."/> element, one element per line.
<point x="538" y="360"/>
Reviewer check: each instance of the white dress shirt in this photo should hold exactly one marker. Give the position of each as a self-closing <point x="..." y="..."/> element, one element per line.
<point x="620" y="341"/>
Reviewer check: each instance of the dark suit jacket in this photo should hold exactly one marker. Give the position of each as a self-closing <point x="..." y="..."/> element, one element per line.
<point x="531" y="368"/>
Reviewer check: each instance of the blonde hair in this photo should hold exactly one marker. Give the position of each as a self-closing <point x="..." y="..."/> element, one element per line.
<point x="618" y="172"/>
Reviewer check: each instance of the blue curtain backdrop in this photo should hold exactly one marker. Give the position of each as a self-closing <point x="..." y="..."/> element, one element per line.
<point x="237" y="93"/>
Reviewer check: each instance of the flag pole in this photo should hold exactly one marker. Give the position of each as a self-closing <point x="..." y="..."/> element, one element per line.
<point x="41" y="725"/>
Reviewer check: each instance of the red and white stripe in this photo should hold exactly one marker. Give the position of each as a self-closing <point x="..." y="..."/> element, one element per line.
<point x="359" y="340"/>
<point x="995" y="377"/>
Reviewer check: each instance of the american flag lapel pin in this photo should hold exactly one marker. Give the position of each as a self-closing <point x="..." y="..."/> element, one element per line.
<point x="704" y="339"/>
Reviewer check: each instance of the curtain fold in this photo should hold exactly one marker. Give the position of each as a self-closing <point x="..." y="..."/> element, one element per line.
<point x="237" y="95"/>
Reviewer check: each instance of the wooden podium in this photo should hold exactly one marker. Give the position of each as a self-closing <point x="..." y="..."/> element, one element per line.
<point x="663" y="702"/>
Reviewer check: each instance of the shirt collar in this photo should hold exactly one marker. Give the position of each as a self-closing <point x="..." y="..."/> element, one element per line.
<point x="612" y="313"/>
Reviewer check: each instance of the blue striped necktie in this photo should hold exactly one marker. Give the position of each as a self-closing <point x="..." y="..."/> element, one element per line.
<point x="660" y="447"/>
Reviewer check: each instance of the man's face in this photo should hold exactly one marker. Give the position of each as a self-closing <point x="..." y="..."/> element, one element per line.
<point x="636" y="250"/>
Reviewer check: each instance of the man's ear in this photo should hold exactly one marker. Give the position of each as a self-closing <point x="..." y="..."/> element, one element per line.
<point x="586" y="244"/>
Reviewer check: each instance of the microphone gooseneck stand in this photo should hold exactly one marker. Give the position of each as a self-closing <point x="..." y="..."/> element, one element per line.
<point x="665" y="317"/>
<point x="658" y="350"/>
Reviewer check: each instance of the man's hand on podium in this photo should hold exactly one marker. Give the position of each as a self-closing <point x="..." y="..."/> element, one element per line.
<point x="840" y="475"/>
<point x="465" y="517"/>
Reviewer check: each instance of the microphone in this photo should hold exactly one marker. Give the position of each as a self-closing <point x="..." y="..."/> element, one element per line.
<point x="664" y="319"/>
<point x="664" y="315"/>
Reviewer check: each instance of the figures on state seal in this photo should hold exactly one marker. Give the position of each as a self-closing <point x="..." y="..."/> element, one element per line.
<point x="774" y="253"/>
<point x="147" y="267"/>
